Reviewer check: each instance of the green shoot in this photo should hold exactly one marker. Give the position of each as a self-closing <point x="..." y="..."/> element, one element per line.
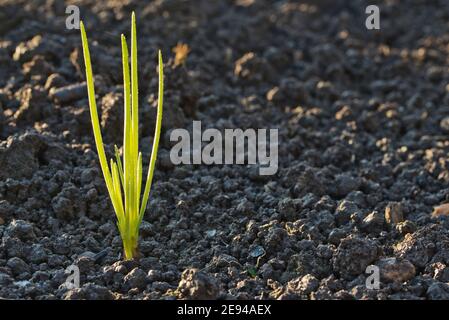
<point x="124" y="178"/>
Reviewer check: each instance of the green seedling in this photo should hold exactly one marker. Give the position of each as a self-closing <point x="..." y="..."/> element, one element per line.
<point x="123" y="178"/>
<point x="252" y="271"/>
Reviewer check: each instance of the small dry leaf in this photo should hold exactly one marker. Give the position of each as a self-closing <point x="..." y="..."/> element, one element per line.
<point x="181" y="52"/>
<point x="2" y="222"/>
<point x="393" y="213"/>
<point x="441" y="210"/>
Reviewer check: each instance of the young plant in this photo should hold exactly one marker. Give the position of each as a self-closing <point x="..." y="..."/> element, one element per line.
<point x="124" y="177"/>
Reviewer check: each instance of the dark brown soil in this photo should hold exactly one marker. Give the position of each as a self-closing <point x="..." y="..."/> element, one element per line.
<point x="363" y="119"/>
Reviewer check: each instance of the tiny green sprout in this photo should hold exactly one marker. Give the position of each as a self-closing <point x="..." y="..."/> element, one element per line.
<point x="252" y="271"/>
<point x="124" y="178"/>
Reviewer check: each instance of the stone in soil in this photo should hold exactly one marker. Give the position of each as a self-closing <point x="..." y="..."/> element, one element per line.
<point x="395" y="270"/>
<point x="197" y="285"/>
<point x="353" y="255"/>
<point x="424" y="245"/>
<point x="136" y="278"/>
<point x="89" y="292"/>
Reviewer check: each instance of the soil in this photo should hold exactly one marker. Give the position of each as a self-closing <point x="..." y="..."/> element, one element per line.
<point x="363" y="123"/>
